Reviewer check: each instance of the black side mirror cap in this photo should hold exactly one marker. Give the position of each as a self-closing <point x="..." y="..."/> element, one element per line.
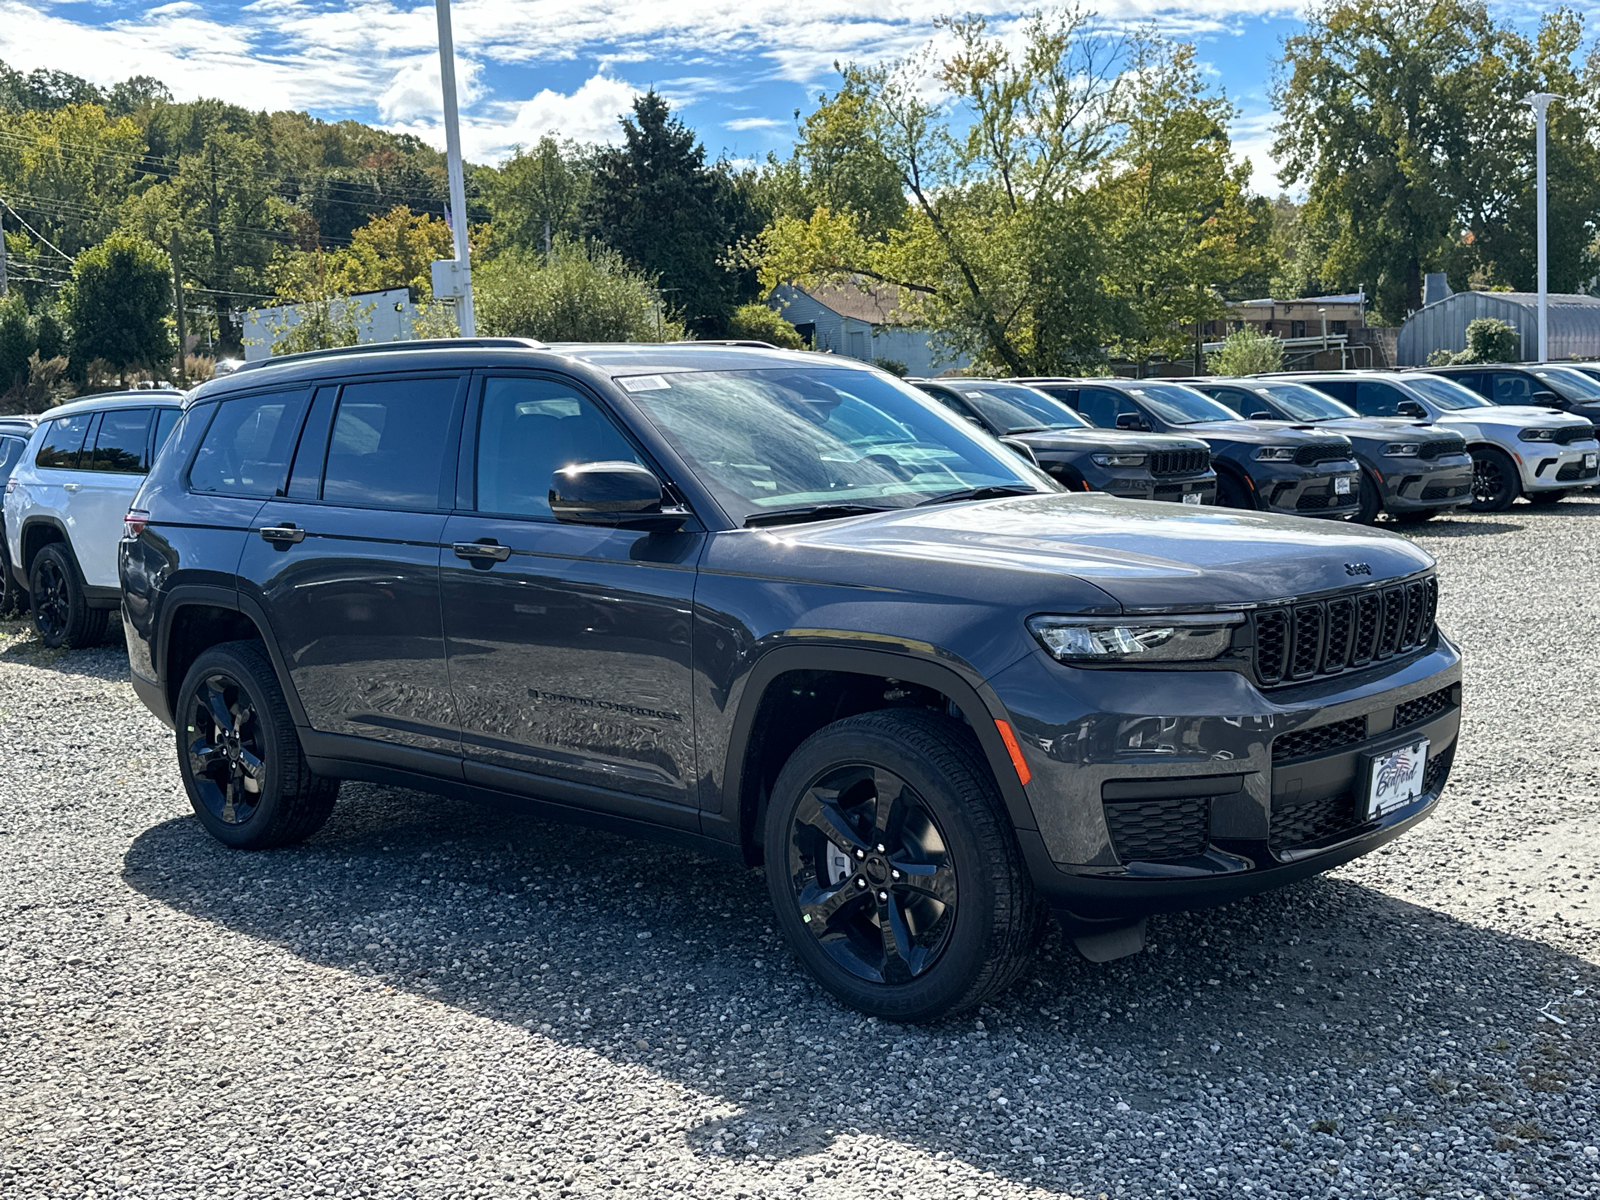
<point x="1132" y="421"/>
<point x="1021" y="449"/>
<point x="1410" y="408"/>
<point x="615" y="495"/>
<point x="1261" y="415"/>
<point x="1548" y="399"/>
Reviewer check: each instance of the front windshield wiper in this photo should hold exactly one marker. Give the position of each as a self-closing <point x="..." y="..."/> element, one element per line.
<point x="811" y="512"/>
<point x="1034" y="429"/>
<point x="989" y="491"/>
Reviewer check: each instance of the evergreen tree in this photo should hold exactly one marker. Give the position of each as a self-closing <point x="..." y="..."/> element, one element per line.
<point x="119" y="303"/>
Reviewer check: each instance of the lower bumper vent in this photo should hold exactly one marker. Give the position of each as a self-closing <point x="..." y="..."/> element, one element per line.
<point x="1159" y="830"/>
<point x="1305" y="821"/>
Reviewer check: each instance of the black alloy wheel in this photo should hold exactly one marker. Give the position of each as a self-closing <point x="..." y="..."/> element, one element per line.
<point x="227" y="750"/>
<point x="1495" y="485"/>
<point x="871" y="874"/>
<point x="893" y="866"/>
<point x="61" y="612"/>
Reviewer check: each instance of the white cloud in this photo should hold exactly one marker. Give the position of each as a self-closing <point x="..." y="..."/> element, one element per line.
<point x="740" y="124"/>
<point x="1252" y="139"/>
<point x="415" y="91"/>
<point x="591" y="113"/>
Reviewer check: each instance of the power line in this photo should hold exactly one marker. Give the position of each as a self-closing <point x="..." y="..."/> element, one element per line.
<point x="34" y="231"/>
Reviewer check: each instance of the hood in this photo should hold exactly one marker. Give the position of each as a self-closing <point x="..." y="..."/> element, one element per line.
<point x="1107" y="439"/>
<point x="1264" y="433"/>
<point x="1522" y="416"/>
<point x="1039" y="552"/>
<point x="1389" y="427"/>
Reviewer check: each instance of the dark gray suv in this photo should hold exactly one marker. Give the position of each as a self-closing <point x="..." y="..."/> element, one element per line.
<point x="784" y="607"/>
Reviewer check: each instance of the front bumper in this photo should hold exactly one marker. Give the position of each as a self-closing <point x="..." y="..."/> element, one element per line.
<point x="1547" y="468"/>
<point x="1414" y="484"/>
<point x="1195" y="787"/>
<point x="1307" y="491"/>
<point x="1130" y="483"/>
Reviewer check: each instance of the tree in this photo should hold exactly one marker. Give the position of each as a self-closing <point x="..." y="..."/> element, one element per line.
<point x="1246" y="352"/>
<point x="1381" y="106"/>
<point x="656" y="203"/>
<point x="538" y="192"/>
<point x="395" y="250"/>
<point x="67" y="169"/>
<point x="119" y="302"/>
<point x="845" y="169"/>
<point x="758" y="322"/>
<point x="578" y="294"/>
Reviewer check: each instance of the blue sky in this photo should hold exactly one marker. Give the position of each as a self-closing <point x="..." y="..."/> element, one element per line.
<point x="735" y="69"/>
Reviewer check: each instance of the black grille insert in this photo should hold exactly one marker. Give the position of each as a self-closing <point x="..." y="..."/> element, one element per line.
<point x="1423" y="708"/>
<point x="1568" y="434"/>
<point x="1443" y="491"/>
<point x="1310" y="456"/>
<point x="1179" y="462"/>
<point x="1159" y="830"/>
<point x="1573" y="471"/>
<point x="1324" y="637"/>
<point x="1441" y="448"/>
<point x="1305" y="821"/>
<point x="1303" y="742"/>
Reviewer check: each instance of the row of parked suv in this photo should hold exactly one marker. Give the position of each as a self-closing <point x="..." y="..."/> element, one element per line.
<point x="777" y="606"/>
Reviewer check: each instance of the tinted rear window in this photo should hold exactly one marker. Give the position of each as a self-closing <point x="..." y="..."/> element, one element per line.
<point x="10" y="451"/>
<point x="62" y="440"/>
<point x="119" y="442"/>
<point x="166" y="422"/>
<point x="388" y="444"/>
<point x="246" y="451"/>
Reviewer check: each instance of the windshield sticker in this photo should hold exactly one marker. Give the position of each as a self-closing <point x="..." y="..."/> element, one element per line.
<point x="644" y="383"/>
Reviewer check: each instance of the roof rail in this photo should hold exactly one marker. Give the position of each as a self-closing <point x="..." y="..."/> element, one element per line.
<point x="480" y="343"/>
<point x="729" y="342"/>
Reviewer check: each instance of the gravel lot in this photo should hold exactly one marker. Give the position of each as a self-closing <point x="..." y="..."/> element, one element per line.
<point x="433" y="1000"/>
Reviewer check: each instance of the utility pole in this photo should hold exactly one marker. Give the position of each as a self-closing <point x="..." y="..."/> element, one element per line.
<point x="4" y="286"/>
<point x="1541" y="102"/>
<point x="462" y="268"/>
<point x="177" y="288"/>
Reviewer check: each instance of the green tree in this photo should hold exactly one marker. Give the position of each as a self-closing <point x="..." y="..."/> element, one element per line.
<point x="538" y="190"/>
<point x="119" y="303"/>
<point x="67" y="169"/>
<point x="580" y="294"/>
<point x="760" y="323"/>
<point x="395" y="250"/>
<point x="1381" y="104"/>
<point x="845" y="168"/>
<point x="1246" y="352"/>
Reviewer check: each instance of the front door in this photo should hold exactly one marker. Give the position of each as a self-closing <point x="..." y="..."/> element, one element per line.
<point x="569" y="645"/>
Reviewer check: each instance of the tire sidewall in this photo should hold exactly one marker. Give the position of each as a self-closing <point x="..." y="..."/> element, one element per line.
<point x="259" y="828"/>
<point x="968" y="948"/>
<point x="1233" y="493"/>
<point x="72" y="635"/>
<point x="1508" y="472"/>
<point x="1369" y="501"/>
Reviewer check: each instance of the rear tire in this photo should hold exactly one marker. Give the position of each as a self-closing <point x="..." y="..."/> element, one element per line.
<point x="1546" y="498"/>
<point x="938" y="919"/>
<point x="61" y="612"/>
<point x="1495" y="483"/>
<point x="239" y="755"/>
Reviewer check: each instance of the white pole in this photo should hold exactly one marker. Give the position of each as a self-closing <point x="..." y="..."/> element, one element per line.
<point x="1541" y="102"/>
<point x="458" y="187"/>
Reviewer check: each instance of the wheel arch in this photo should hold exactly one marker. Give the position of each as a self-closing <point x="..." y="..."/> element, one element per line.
<point x="197" y="617"/>
<point x="771" y="721"/>
<point x="1228" y="469"/>
<point x="39" y="532"/>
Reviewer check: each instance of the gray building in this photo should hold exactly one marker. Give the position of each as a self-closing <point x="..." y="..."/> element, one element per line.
<point x="1574" y="323"/>
<point x="862" y="324"/>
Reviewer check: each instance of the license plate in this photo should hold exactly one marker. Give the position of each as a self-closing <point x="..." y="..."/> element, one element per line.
<point x="1590" y="460"/>
<point x="1341" y="486"/>
<point x="1194" y="497"/>
<point x="1396" y="778"/>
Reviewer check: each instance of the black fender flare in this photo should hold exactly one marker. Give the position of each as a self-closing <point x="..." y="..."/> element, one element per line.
<point x="1239" y="475"/>
<point x="976" y="701"/>
<point x="196" y="595"/>
<point x="50" y="523"/>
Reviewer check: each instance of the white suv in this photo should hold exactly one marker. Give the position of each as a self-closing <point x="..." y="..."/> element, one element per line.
<point x="65" y="501"/>
<point x="1517" y="450"/>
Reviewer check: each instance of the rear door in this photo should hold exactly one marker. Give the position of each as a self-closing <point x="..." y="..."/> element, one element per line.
<point x="116" y="464"/>
<point x="345" y="561"/>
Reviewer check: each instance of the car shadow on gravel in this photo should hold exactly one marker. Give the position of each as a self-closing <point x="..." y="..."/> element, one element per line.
<point x="1333" y="1001"/>
<point x="20" y="644"/>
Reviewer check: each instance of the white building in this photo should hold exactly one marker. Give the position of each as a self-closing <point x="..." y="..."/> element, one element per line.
<point x="385" y="316"/>
<point x="862" y="324"/>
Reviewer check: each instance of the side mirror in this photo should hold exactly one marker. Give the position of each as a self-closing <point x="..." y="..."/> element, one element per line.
<point x="1021" y="449"/>
<point x="1261" y="415"/>
<point x="616" y="495"/>
<point x="1132" y="421"/>
<point x="1410" y="408"/>
<point x="1548" y="399"/>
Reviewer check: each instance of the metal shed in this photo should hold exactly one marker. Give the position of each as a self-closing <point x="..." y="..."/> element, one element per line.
<point x="1574" y="324"/>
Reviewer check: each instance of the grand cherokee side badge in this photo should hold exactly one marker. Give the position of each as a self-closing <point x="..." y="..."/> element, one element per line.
<point x="1357" y="569"/>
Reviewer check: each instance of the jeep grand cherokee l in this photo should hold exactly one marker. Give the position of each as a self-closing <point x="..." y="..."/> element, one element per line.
<point x="785" y="607"/>
<point x="1080" y="457"/>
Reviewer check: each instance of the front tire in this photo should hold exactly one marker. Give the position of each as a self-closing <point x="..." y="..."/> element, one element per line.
<point x="894" y="870"/>
<point x="61" y="611"/>
<point x="1234" y="493"/>
<point x="1369" y="501"/>
<point x="239" y="755"/>
<point x="1495" y="484"/>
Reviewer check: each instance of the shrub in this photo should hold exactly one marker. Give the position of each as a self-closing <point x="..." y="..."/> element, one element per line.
<point x="1246" y="352"/>
<point x="581" y="294"/>
<point x="759" y="323"/>
<point x="1491" y="340"/>
<point x="119" y="303"/>
<point x="892" y="365"/>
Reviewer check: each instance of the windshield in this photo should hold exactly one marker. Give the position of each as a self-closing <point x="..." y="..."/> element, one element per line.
<point x="1178" y="405"/>
<point x="791" y="438"/>
<point x="1011" y="408"/>
<point x="1568" y="383"/>
<point x="1302" y="403"/>
<point x="1446" y="393"/>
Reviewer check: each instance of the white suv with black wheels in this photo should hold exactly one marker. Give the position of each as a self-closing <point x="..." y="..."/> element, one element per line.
<point x="64" y="505"/>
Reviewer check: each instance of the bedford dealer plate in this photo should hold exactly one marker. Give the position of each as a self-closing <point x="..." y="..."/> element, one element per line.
<point x="1589" y="460"/>
<point x="1341" y="486"/>
<point x="1191" y="497"/>
<point x="1396" y="778"/>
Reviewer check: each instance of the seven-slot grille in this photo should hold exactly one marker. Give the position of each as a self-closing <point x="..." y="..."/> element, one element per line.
<point x="1568" y="434"/>
<point x="1310" y="456"/>
<point x="1294" y="642"/>
<point x="1441" y="448"/>
<point x="1179" y="462"/>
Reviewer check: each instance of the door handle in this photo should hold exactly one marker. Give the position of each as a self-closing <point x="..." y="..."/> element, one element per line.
<point x="482" y="551"/>
<point x="72" y="487"/>
<point x="283" y="535"/>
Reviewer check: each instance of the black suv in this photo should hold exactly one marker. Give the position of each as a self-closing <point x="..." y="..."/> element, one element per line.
<point x="1077" y="455"/>
<point x="1267" y="465"/>
<point x="784" y="606"/>
<point x="1410" y="469"/>
<point x="1547" y="385"/>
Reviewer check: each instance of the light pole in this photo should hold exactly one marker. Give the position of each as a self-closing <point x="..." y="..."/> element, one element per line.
<point x="460" y="270"/>
<point x="1541" y="102"/>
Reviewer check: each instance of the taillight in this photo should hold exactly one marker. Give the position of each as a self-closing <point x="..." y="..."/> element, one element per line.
<point x="134" y="523"/>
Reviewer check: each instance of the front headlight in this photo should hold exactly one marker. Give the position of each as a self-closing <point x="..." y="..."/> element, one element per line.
<point x="1537" y="435"/>
<point x="1187" y="638"/>
<point x="1118" y="460"/>
<point x="1276" y="454"/>
<point x="1402" y="449"/>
